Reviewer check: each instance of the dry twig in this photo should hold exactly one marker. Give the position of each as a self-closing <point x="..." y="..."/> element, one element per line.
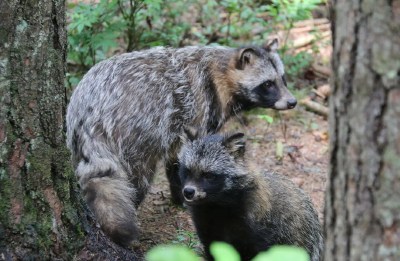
<point x="315" y="107"/>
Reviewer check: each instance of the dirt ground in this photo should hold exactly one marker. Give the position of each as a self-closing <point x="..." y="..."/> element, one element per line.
<point x="305" y="162"/>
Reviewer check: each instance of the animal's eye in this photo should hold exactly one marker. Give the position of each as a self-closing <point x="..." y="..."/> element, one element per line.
<point x="184" y="172"/>
<point x="209" y="176"/>
<point x="268" y="84"/>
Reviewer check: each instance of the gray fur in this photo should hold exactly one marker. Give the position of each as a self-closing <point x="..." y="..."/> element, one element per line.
<point x="249" y="209"/>
<point x="128" y="112"/>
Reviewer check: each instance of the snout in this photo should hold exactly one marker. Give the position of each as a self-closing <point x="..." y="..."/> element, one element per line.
<point x="285" y="104"/>
<point x="286" y="101"/>
<point x="193" y="194"/>
<point x="291" y="103"/>
<point x="188" y="193"/>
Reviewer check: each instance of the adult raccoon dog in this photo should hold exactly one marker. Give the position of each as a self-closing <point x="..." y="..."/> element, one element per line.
<point x="232" y="201"/>
<point x="128" y="112"/>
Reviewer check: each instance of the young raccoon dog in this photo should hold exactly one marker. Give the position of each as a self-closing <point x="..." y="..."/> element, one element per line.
<point x="128" y="112"/>
<point x="231" y="201"/>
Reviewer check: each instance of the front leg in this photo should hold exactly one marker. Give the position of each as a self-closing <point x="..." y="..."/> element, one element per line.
<point x="175" y="184"/>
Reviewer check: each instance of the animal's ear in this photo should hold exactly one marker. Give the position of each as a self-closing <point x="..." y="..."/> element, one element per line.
<point x="191" y="133"/>
<point x="235" y="143"/>
<point x="271" y="46"/>
<point x="246" y="57"/>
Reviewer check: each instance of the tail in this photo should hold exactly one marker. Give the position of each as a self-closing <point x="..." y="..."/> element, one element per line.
<point x="110" y="196"/>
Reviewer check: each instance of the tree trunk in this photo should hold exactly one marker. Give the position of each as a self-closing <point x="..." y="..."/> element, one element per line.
<point x="362" y="204"/>
<point x="42" y="214"/>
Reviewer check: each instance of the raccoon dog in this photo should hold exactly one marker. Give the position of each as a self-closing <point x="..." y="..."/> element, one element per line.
<point x="128" y="112"/>
<point x="232" y="201"/>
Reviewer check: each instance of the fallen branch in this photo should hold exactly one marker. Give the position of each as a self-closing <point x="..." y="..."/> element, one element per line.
<point x="304" y="41"/>
<point x="311" y="22"/>
<point x="321" y="69"/>
<point x="315" y="107"/>
<point x="318" y="93"/>
<point x="322" y="27"/>
<point x="322" y="91"/>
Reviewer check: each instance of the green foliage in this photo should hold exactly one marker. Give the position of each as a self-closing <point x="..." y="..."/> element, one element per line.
<point x="296" y="64"/>
<point x="186" y="238"/>
<point x="171" y="253"/>
<point x="302" y="93"/>
<point x="241" y="19"/>
<point x="262" y="114"/>
<point x="309" y="125"/>
<point x="268" y="118"/>
<point x="225" y="252"/>
<point x="283" y="253"/>
<point x="93" y="31"/>
<point x="285" y="13"/>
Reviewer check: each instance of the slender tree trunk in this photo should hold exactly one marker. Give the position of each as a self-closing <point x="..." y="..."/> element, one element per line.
<point x="42" y="214"/>
<point x="362" y="211"/>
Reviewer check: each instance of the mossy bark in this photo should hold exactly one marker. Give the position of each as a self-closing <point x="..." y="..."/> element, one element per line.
<point x="362" y="211"/>
<point x="42" y="214"/>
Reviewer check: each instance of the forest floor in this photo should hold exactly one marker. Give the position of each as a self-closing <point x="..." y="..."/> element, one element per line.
<point x="305" y="161"/>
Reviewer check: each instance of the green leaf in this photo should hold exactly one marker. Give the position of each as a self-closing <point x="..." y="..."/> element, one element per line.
<point x="170" y="253"/>
<point x="283" y="253"/>
<point x="269" y="119"/>
<point x="80" y="27"/>
<point x="224" y="252"/>
<point x="74" y="80"/>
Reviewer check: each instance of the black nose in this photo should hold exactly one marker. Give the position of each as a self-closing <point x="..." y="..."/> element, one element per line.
<point x="291" y="103"/>
<point x="188" y="192"/>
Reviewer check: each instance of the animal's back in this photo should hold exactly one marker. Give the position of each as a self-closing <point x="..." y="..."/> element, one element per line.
<point x="141" y="100"/>
<point x="130" y="101"/>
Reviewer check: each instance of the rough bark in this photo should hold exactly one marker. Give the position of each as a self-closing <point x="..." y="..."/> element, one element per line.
<point x="362" y="211"/>
<point x="42" y="214"/>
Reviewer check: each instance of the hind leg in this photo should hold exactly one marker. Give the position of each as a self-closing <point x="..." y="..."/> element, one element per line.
<point x="172" y="171"/>
<point x="142" y="178"/>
